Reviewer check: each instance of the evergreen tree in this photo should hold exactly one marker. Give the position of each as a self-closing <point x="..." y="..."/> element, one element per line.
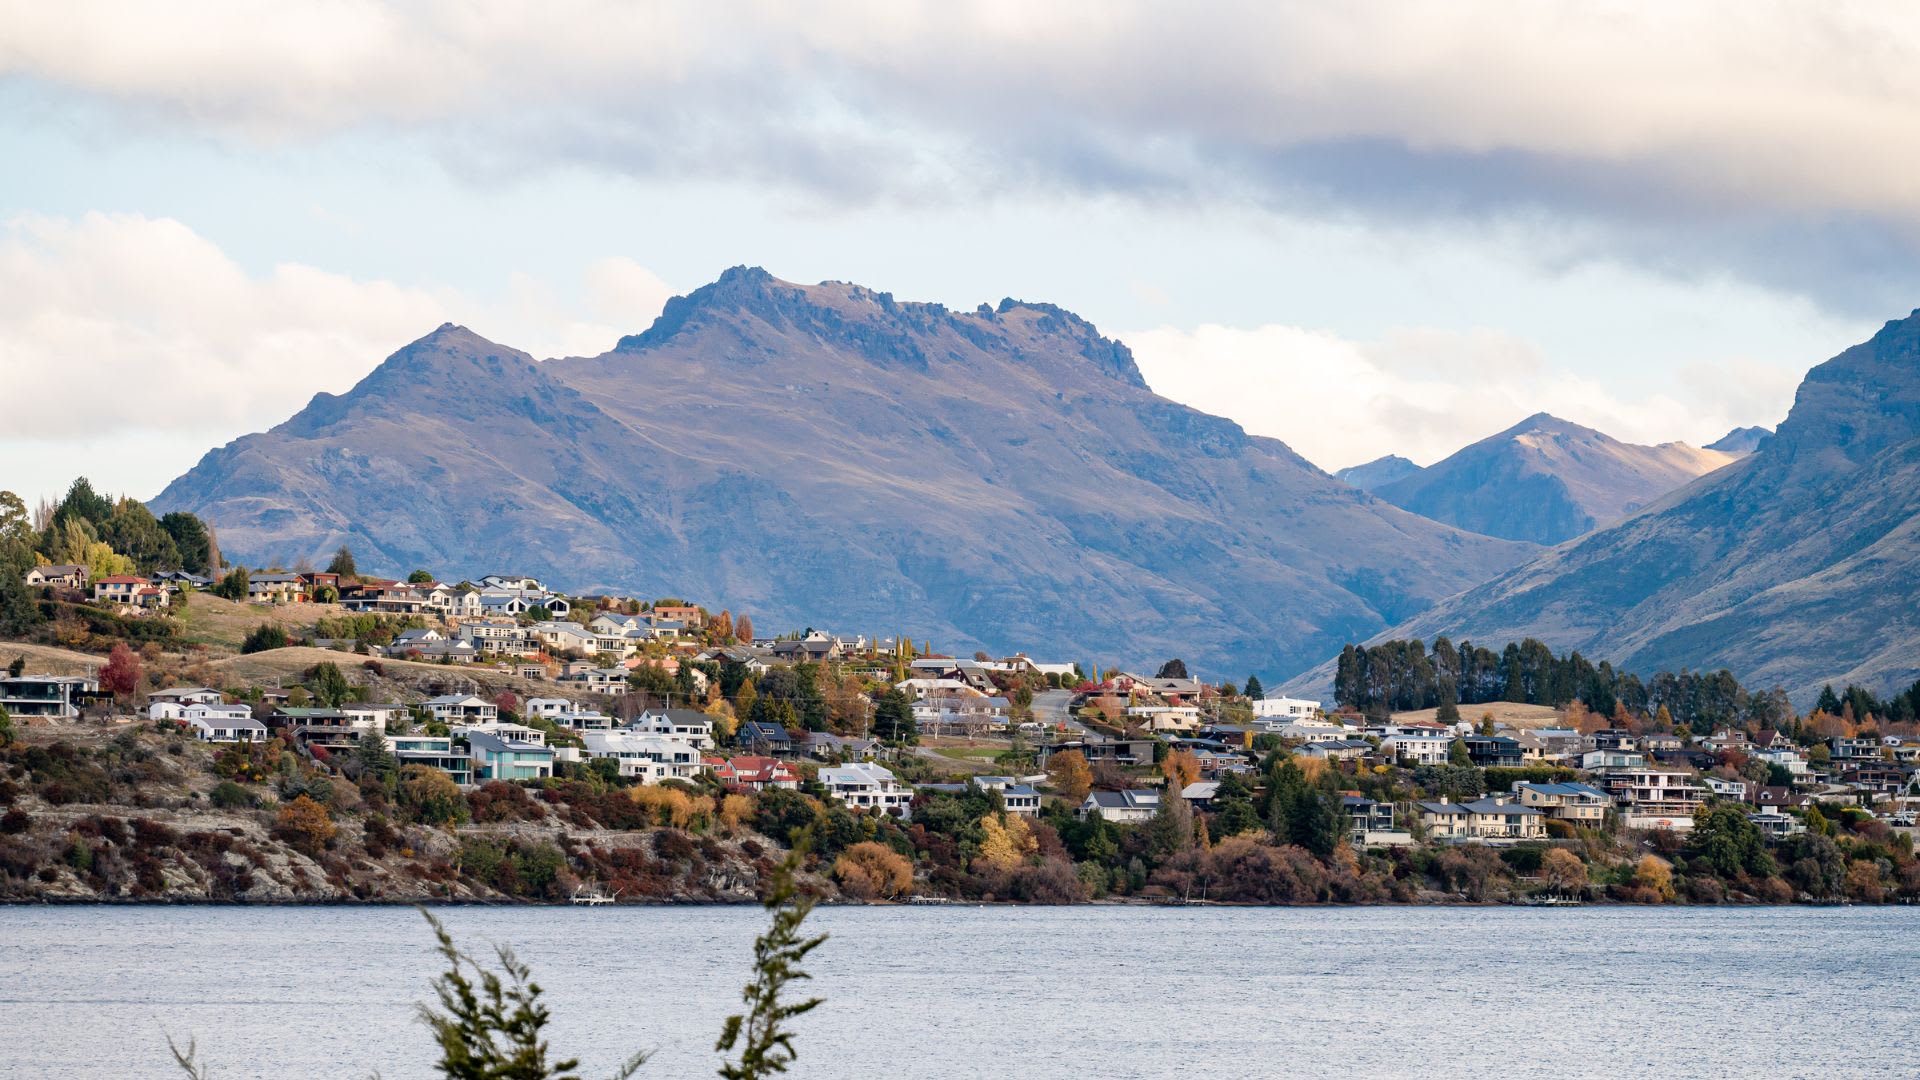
<point x="375" y="756"/>
<point x="191" y="541"/>
<point x="1253" y="689"/>
<point x="1173" y="669"/>
<point x="342" y="563"/>
<point x="893" y="719"/>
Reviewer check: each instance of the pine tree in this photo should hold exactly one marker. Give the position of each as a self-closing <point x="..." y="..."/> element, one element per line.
<point x="1253" y="689"/>
<point x="342" y="563"/>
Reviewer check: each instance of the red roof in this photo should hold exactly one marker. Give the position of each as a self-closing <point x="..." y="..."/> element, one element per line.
<point x="122" y="580"/>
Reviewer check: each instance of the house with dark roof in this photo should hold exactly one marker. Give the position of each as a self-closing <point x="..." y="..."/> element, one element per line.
<point x="1128" y="807"/>
<point x="65" y="576"/>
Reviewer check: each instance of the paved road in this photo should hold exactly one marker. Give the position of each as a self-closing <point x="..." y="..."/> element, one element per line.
<point x="1050" y="708"/>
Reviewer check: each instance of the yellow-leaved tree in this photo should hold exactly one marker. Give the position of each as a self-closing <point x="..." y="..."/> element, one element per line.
<point x="1007" y="841"/>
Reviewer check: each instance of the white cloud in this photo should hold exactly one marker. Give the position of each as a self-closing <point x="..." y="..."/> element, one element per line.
<point x="1709" y="103"/>
<point x="1424" y="393"/>
<point x="151" y="345"/>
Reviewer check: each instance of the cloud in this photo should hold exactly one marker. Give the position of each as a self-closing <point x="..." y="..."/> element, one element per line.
<point x="1424" y="393"/>
<point x="1749" y="129"/>
<point x="156" y="345"/>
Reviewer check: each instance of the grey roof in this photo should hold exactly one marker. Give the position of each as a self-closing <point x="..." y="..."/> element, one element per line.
<point x="1563" y="789"/>
<point x="1131" y="799"/>
<point x="498" y="745"/>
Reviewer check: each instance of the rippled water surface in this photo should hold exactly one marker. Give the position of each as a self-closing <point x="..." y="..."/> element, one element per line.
<point x="1001" y="992"/>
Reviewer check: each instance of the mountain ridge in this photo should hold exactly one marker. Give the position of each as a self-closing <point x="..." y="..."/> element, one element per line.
<point x="826" y="454"/>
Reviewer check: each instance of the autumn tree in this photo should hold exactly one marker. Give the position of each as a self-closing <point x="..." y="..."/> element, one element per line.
<point x="122" y="673"/>
<point x="306" y="825"/>
<point x="1562" y="871"/>
<point x="1006" y="841"/>
<point x="1655" y="874"/>
<point x="871" y="870"/>
<point x="1181" y="767"/>
<point x="432" y="795"/>
<point x="743" y="629"/>
<point x="1072" y="777"/>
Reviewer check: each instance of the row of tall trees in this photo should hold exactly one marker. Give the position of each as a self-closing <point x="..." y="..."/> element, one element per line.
<point x="1407" y="674"/>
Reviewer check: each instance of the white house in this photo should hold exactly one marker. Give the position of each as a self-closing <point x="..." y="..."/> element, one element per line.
<point x="1286" y="708"/>
<point x="223" y="723"/>
<point x="462" y="709"/>
<point x="1417" y="749"/>
<point x="501" y="729"/>
<point x="171" y="704"/>
<point x="1124" y="807"/>
<point x="681" y="725"/>
<point x="866" y="786"/>
<point x="649" y="757"/>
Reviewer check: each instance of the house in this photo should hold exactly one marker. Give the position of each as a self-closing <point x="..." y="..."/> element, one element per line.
<point x="1652" y="797"/>
<point x="1737" y="790"/>
<point x="461" y="709"/>
<point x="434" y="751"/>
<point x="275" y="588"/>
<point x="1777" y="823"/>
<point x="495" y="758"/>
<point x="503" y="637"/>
<point x="1166" y="717"/>
<point x="824" y="745"/>
<point x="1286" y="708"/>
<point x="167" y="704"/>
<point x="864" y="785"/>
<point x="763" y="738"/>
<point x="808" y="650"/>
<point x="384" y="598"/>
<point x="46" y="695"/>
<point x="753" y="773"/>
<point x="1131" y="806"/>
<point x="651" y="758"/>
<point x="611" y="682"/>
<point x="682" y="725"/>
<point x="1494" y="751"/>
<point x="1580" y="805"/>
<point x="64" y="576"/>
<point x="1097" y="747"/>
<point x="1417" y="749"/>
<point x="504" y="729"/>
<point x="1371" y="823"/>
<point x="121" y="589"/>
<point x="1201" y="793"/>
<point x="176" y="580"/>
<point x="223" y="723"/>
<point x="1337" y="749"/>
<point x="1847" y="751"/>
<point x="1018" y="798"/>
<point x="686" y="614"/>
<point x="1596" y="760"/>
<point x="1495" y="818"/>
<point x="971" y="711"/>
<point x="1657" y="741"/>
<point x="1787" y="757"/>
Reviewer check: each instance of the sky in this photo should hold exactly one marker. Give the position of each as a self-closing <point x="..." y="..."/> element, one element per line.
<point x="1363" y="228"/>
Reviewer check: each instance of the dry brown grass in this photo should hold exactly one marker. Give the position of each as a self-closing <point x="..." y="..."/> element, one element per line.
<point x="1504" y="712"/>
<point x="50" y="660"/>
<point x="221" y="625"/>
<point x="285" y="666"/>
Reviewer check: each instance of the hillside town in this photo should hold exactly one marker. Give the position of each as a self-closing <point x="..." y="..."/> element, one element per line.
<point x="351" y="713"/>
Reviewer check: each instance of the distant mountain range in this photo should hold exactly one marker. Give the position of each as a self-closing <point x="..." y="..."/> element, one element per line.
<point x="824" y="454"/>
<point x="1797" y="565"/>
<point x="1741" y="441"/>
<point x="1545" y="480"/>
<point x="1381" y="470"/>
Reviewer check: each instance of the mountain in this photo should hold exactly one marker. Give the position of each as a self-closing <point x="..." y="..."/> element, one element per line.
<point x="1546" y="480"/>
<point x="1795" y="566"/>
<point x="824" y="454"/>
<point x="1383" y="470"/>
<point x="1741" y="440"/>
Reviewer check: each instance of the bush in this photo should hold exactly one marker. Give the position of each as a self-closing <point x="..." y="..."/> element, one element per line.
<point x="263" y="637"/>
<point x="873" y="871"/>
<point x="15" y="822"/>
<point x="228" y="795"/>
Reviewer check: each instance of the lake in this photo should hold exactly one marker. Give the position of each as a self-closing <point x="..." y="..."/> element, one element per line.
<point x="1000" y="992"/>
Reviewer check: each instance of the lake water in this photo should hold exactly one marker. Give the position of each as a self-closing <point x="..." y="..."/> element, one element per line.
<point x="1000" y="992"/>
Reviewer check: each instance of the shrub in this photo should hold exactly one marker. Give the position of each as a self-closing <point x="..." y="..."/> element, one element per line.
<point x="228" y="795"/>
<point x="873" y="871"/>
<point x="306" y="825"/>
<point x="15" y="822"/>
<point x="263" y="637"/>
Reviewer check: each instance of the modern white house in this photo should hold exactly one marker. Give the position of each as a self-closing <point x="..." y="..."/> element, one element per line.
<point x="1286" y="708"/>
<point x="1121" y="807"/>
<point x="651" y="758"/>
<point x="690" y="726"/>
<point x="223" y="723"/>
<point x="1416" y="749"/>
<point x="462" y="709"/>
<point x="866" y="786"/>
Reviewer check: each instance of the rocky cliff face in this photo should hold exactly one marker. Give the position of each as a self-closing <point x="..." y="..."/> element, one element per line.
<point x="1741" y="441"/>
<point x="1546" y="480"/>
<point x="1795" y="566"/>
<point x="825" y="454"/>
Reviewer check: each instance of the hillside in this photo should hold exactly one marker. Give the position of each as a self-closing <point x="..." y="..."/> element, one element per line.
<point x="1546" y="480"/>
<point x="1381" y="470"/>
<point x="1795" y="566"/>
<point x="1741" y="441"/>
<point x="1001" y="478"/>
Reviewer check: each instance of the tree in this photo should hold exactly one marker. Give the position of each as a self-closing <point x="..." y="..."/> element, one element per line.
<point x="766" y="1046"/>
<point x="342" y="563"/>
<point x="1171" y="830"/>
<point x="1173" y="669"/>
<point x="191" y="541"/>
<point x="1724" y="838"/>
<point x="1180" y="768"/>
<point x="1072" y="777"/>
<point x="234" y="586"/>
<point x="418" y="577"/>
<point x="743" y="629"/>
<point x="15" y="526"/>
<point x="122" y="673"/>
<point x="6" y="728"/>
<point x="433" y="796"/>
<point x="1254" y="690"/>
<point x="871" y="870"/>
<point x="263" y="637"/>
<point x="306" y="825"/>
<point x="1655" y="873"/>
<point x="375" y="757"/>
<point x="1457" y="753"/>
<point x="892" y="718"/>
<point x="329" y="686"/>
<point x="1562" y="871"/>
